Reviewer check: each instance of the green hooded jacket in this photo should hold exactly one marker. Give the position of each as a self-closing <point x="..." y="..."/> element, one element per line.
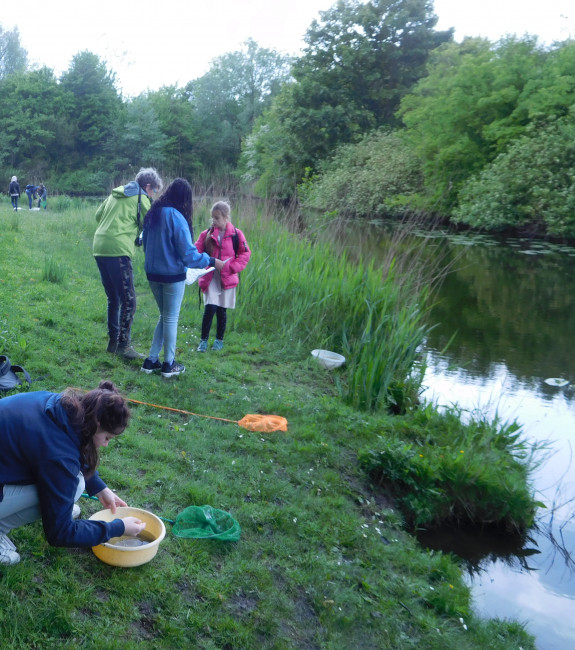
<point x="117" y="219"/>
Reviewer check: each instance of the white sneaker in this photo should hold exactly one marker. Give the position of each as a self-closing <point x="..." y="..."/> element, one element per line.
<point x="76" y="512"/>
<point x="8" y="553"/>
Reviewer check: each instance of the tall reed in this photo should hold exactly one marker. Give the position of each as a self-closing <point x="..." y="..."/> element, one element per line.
<point x="53" y="271"/>
<point x="317" y="297"/>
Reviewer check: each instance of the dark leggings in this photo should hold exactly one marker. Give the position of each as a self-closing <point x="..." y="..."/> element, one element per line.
<point x="118" y="280"/>
<point x="221" y="319"/>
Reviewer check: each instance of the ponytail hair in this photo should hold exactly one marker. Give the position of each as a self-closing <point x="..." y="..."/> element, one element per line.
<point x="102" y="407"/>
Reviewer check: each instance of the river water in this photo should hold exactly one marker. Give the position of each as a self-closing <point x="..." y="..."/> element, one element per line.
<point x="510" y="306"/>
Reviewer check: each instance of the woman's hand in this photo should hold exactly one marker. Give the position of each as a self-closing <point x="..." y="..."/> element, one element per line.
<point x="110" y="500"/>
<point x="133" y="526"/>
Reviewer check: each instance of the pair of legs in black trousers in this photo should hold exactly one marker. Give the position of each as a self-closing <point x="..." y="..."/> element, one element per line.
<point x="118" y="280"/>
<point x="221" y="319"/>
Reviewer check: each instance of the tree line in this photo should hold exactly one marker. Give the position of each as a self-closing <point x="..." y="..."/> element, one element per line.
<point x="79" y="135"/>
<point x="381" y="115"/>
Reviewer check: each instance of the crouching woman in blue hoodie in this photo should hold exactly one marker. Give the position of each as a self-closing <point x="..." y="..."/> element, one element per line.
<point x="50" y="450"/>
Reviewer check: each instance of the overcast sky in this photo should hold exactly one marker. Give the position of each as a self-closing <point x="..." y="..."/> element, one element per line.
<point x="153" y="44"/>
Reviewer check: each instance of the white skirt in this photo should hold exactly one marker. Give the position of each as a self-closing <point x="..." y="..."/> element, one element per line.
<point x="215" y="295"/>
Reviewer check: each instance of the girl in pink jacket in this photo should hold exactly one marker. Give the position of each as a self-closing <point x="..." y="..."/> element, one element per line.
<point x="225" y="242"/>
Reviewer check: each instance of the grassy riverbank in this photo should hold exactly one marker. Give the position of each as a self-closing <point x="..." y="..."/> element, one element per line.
<point x="323" y="561"/>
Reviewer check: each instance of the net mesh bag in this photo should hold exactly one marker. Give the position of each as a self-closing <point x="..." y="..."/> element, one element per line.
<point x="205" y="522"/>
<point x="263" y="423"/>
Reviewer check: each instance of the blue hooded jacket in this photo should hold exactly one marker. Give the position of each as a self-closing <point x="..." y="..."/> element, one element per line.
<point x="170" y="250"/>
<point x="40" y="447"/>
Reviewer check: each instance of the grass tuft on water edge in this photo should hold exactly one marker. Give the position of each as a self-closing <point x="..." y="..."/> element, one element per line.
<point x="443" y="471"/>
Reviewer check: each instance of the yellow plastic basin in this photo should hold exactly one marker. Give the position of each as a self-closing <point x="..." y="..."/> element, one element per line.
<point x="124" y="555"/>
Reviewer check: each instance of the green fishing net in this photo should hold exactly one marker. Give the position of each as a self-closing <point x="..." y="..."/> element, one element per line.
<point x="205" y="522"/>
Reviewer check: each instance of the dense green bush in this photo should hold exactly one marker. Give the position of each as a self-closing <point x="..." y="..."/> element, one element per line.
<point x="82" y="182"/>
<point x="372" y="178"/>
<point x="531" y="186"/>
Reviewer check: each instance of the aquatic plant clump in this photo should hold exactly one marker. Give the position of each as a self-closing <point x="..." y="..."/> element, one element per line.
<point x="441" y="471"/>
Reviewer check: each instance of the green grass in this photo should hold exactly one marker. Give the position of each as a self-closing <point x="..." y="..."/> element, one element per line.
<point x="323" y="561"/>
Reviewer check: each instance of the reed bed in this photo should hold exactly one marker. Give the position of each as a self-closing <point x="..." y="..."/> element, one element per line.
<point x="318" y="297"/>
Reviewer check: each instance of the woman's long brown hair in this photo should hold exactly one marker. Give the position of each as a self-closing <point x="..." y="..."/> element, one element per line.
<point x="102" y="407"/>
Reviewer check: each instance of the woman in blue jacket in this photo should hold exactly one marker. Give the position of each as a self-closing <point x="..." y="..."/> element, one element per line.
<point x="50" y="444"/>
<point x="169" y="250"/>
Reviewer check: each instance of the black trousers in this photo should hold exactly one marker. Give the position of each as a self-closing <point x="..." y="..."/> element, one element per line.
<point x="118" y="280"/>
<point x="221" y="319"/>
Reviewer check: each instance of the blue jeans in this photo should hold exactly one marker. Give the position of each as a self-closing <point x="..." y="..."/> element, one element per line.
<point x="30" y="197"/>
<point x="21" y="505"/>
<point x="169" y="296"/>
<point x="118" y="280"/>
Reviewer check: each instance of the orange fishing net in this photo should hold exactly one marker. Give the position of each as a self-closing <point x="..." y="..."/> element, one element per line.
<point x="251" y="422"/>
<point x="263" y="423"/>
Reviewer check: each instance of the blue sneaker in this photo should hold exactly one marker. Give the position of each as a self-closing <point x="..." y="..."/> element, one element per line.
<point x="150" y="366"/>
<point x="172" y="370"/>
<point x="203" y="346"/>
<point x="218" y="344"/>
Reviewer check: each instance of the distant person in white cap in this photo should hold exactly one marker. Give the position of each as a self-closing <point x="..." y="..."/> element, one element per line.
<point x="14" y="192"/>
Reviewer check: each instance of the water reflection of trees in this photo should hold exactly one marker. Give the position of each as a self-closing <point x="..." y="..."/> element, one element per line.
<point x="507" y="306"/>
<point x="503" y="305"/>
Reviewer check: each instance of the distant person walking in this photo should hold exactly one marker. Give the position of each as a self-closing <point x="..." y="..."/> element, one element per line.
<point x="222" y="241"/>
<point x="169" y="249"/>
<point x="31" y="193"/>
<point x="14" y="192"/>
<point x="119" y="220"/>
<point x="42" y="196"/>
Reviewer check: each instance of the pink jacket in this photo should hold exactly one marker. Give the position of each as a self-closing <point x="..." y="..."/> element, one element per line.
<point x="230" y="272"/>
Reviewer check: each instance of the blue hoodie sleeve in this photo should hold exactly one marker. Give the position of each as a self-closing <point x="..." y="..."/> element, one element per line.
<point x="94" y="484"/>
<point x="57" y="484"/>
<point x="185" y="248"/>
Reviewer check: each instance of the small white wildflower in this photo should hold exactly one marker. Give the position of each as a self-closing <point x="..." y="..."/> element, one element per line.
<point x="295" y="520"/>
<point x="432" y="588"/>
<point x="365" y="535"/>
<point x="377" y="530"/>
<point x="233" y="462"/>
